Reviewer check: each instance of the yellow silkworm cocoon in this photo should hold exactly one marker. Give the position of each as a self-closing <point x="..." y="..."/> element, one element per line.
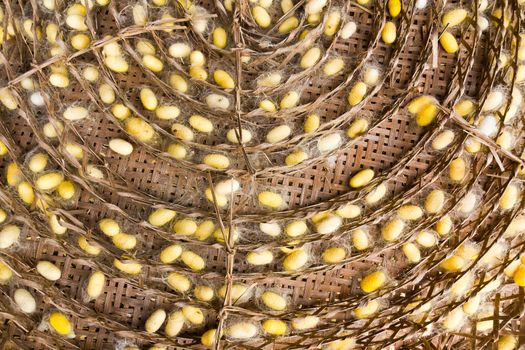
<point x="376" y="194"/>
<point x="91" y="249"/>
<point x="60" y="323"/>
<point x="288" y="25"/>
<point x="457" y="170"/>
<point x="270" y="199"/>
<point x="410" y="212"/>
<point x="454" y="17"/>
<point x="148" y="99"/>
<point x="48" y="270"/>
<point x="265" y="3"/>
<point x="357" y="128"/>
<point x="360" y="240"/>
<point x="5" y="273"/>
<point x="372" y="282"/>
<point x="270" y="228"/>
<point x="121" y="147"/>
<point x="334" y="66"/>
<point x="232" y="136"/>
<point x="310" y="57"/>
<point x="418" y="103"/>
<point x="220" y="37"/>
<point x="217" y="101"/>
<point x="329" y="142"/>
<point x="220" y="200"/>
<point x="182" y="50"/>
<point x="178" y="282"/>
<point x="203" y="293"/>
<point x="392" y="229"/>
<point x="120" y="111"/>
<point x="270" y="80"/>
<point x="267" y="105"/>
<point x="362" y="178"/>
<point x="25" y="300"/>
<point x="52" y="32"/>
<point x="109" y="227"/>
<point x="507" y="342"/>
<point x="52" y="130"/>
<point x="3" y="149"/>
<point x="117" y="64"/>
<point x="332" y="23"/>
<point x="273" y="301"/>
<point x="193" y="260"/>
<point x="76" y="9"/>
<point x="77" y="22"/>
<point x="124" y="241"/>
<point x="170" y="253"/>
<point x="185" y="227"/>
<point x="394" y="7"/>
<point x="453" y="263"/>
<point x="290" y="100"/>
<point x="348" y="211"/>
<point x="216" y="161"/>
<point x="261" y="17"/>
<point x="275" y="327"/>
<point x="506" y="140"/>
<point x="197" y="59"/>
<point x="434" y="201"/>
<point x="295" y="260"/>
<point x="25" y="192"/>
<point x="412" y="252"/>
<point x="140" y="15"/>
<point x="444" y="225"/>
<point x="472" y="145"/>
<point x="208" y="338"/>
<point x="182" y="132"/>
<point x="96" y="284"/>
<point x="334" y="255"/>
<point x="454" y="319"/>
<point x="468" y="250"/>
<point x="55" y="225"/>
<point x="80" y="41"/>
<point x="49" y="181"/>
<point x="296" y="228"/>
<point x="367" y="310"/>
<point x="8" y="236"/>
<point x="278" y="133"/>
<point x="223" y="237"/>
<point x="193" y="314"/>
<point x="510" y="197"/>
<point x="464" y="107"/>
<point x="306" y="322"/>
<point x="258" y="258"/>
<point x="237" y="291"/>
<point x="296" y="157"/>
<point x="388" y="34"/>
<point x="314" y="18"/>
<point x="3" y="216"/>
<point x="519" y="275"/>
<point x="111" y="48"/>
<point x="129" y="267"/>
<point x="449" y="42"/>
<point x="178" y="83"/>
<point x="357" y="93"/>
<point x="242" y="330"/>
<point x="155" y="321"/>
<point x="174" y="324"/>
<point x="153" y="63"/>
<point x="106" y="93"/>
<point x="58" y="80"/>
<point x="75" y="113"/>
<point x="145" y="47"/>
<point x="443" y="140"/>
<point x="223" y="79"/>
<point x="286" y="5"/>
<point x="13" y="174"/>
<point x="426" y="115"/>
<point x="200" y="123"/>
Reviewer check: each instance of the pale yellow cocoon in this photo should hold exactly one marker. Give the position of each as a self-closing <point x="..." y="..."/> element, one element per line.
<point x="357" y="93"/>
<point x="388" y="34"/>
<point x="410" y="212"/>
<point x="232" y="136"/>
<point x="193" y="260"/>
<point x="49" y="181"/>
<point x="434" y="201"/>
<point x="88" y="247"/>
<point x="376" y="194"/>
<point x="269" y="80"/>
<point x="178" y="282"/>
<point x="288" y="25"/>
<point x="348" y="211"/>
<point x="109" y="227"/>
<point x="426" y="239"/>
<point x="443" y="140"/>
<point x="96" y="284"/>
<point x="261" y="17"/>
<point x="454" y="17"/>
<point x="200" y="123"/>
<point x="258" y="258"/>
<point x="334" y="255"/>
<point x="392" y="229"/>
<point x="174" y="324"/>
<point x="170" y="253"/>
<point x="295" y="260"/>
<point x="9" y="235"/>
<point x="48" y="270"/>
<point x="360" y="240"/>
<point x="155" y="321"/>
<point x="75" y="113"/>
<point x="357" y="128"/>
<point x="270" y="199"/>
<point x="216" y="161"/>
<point x="367" y="310"/>
<point x="273" y="301"/>
<point x="193" y="314"/>
<point x="203" y="293"/>
<point x="182" y="132"/>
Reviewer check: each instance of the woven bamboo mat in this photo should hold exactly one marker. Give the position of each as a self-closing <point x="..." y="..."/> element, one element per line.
<point x="424" y="303"/>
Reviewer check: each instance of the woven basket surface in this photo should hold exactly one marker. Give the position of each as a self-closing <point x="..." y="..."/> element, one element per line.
<point x="433" y="281"/>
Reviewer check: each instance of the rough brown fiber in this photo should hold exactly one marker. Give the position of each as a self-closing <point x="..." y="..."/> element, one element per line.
<point x="394" y="147"/>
